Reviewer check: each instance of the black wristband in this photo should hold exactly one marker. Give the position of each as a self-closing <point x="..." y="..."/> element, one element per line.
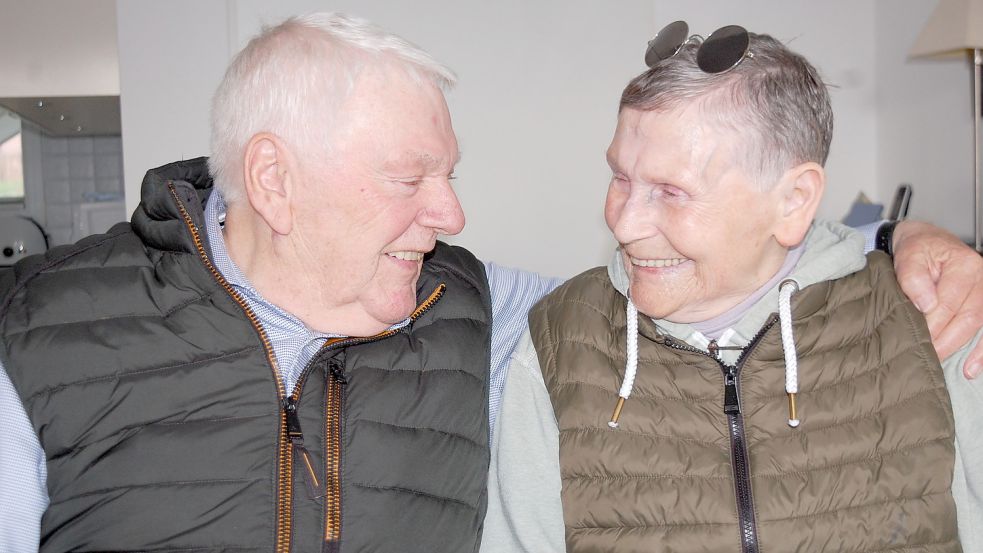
<point x="884" y="237"/>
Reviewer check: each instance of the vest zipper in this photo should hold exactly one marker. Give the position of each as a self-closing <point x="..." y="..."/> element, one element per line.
<point x="334" y="400"/>
<point x="330" y="490"/>
<point x="296" y="437"/>
<point x="284" y="494"/>
<point x="740" y="463"/>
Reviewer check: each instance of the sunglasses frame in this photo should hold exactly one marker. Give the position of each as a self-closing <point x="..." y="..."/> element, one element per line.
<point x="721" y="51"/>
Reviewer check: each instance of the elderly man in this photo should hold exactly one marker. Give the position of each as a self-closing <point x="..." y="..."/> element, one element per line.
<point x="282" y="361"/>
<point x="772" y="388"/>
<point x="286" y="360"/>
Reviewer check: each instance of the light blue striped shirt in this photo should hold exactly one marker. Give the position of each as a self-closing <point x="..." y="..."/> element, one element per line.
<point x="23" y="492"/>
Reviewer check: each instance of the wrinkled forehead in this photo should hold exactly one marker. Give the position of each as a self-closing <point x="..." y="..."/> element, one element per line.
<point x="682" y="133"/>
<point x="692" y="141"/>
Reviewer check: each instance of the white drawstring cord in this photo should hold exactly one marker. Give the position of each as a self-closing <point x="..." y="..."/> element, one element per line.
<point x="785" y="292"/>
<point x="631" y="364"/>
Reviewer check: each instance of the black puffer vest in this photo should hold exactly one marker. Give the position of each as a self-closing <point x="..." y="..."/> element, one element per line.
<point x="152" y="390"/>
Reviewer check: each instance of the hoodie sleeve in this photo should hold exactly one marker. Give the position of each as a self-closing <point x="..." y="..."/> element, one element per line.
<point x="524" y="509"/>
<point x="967" y="479"/>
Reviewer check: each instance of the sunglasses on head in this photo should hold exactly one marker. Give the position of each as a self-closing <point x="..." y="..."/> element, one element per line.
<point x="722" y="51"/>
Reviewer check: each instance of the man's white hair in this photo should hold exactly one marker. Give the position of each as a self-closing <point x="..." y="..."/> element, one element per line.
<point x="289" y="81"/>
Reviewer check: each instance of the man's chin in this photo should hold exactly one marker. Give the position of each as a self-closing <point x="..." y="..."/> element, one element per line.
<point x="401" y="305"/>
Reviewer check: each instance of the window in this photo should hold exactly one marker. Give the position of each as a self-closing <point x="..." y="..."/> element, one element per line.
<point x="11" y="159"/>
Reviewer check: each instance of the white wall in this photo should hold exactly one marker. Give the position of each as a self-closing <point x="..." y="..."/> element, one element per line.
<point x="539" y="83"/>
<point x="58" y="48"/>
<point x="925" y="121"/>
<point x="172" y="55"/>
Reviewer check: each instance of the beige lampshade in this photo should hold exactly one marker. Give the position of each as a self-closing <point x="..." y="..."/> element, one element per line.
<point x="954" y="27"/>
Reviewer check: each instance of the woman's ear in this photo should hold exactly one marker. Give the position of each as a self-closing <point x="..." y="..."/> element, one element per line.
<point x="799" y="192"/>
<point x="268" y="181"/>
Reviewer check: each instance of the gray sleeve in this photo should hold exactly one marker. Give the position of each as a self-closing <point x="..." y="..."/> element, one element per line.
<point x="23" y="474"/>
<point x="524" y="509"/>
<point x="967" y="479"/>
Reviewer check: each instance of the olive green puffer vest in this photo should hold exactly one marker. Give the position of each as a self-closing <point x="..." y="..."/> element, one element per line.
<point x="154" y="397"/>
<point x="868" y="469"/>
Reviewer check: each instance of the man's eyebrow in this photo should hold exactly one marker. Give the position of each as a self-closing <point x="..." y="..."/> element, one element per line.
<point x="418" y="159"/>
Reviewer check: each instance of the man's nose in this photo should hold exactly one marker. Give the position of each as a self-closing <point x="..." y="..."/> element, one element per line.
<point x="443" y="212"/>
<point x="636" y="217"/>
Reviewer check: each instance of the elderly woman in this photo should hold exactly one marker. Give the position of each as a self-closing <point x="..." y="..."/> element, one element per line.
<point x="773" y="389"/>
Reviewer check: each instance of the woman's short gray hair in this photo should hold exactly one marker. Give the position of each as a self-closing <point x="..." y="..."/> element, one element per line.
<point x="775" y="99"/>
<point x="290" y="80"/>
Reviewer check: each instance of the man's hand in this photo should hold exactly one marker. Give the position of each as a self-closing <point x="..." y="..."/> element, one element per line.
<point x="944" y="279"/>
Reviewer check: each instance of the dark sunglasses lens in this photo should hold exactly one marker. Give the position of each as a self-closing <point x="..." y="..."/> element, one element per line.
<point x="724" y="49"/>
<point x="666" y="43"/>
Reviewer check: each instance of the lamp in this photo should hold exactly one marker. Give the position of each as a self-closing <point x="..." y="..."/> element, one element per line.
<point x="955" y="28"/>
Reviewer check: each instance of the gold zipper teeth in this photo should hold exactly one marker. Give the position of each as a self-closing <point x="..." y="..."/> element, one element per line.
<point x="417" y="313"/>
<point x="285" y="465"/>
<point x="332" y="463"/>
<point x="332" y="453"/>
<point x="429" y="302"/>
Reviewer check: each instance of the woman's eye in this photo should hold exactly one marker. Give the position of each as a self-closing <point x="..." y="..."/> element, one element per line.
<point x="669" y="191"/>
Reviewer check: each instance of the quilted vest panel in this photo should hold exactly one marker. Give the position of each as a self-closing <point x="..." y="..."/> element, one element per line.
<point x="868" y="469"/>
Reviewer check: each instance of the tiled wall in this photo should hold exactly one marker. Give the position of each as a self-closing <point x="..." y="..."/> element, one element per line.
<point x="76" y="171"/>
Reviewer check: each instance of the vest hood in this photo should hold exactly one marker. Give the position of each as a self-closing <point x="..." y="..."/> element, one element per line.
<point x="158" y="220"/>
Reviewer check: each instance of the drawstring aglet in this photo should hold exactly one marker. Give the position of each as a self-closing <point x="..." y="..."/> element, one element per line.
<point x="793" y="417"/>
<point x="613" y="423"/>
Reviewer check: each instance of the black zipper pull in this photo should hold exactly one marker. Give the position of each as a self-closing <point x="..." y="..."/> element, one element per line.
<point x="293" y="420"/>
<point x="732" y="402"/>
<point x="296" y="437"/>
<point x="337" y="370"/>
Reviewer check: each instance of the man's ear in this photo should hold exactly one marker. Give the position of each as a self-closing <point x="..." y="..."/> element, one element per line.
<point x="799" y="192"/>
<point x="269" y="181"/>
